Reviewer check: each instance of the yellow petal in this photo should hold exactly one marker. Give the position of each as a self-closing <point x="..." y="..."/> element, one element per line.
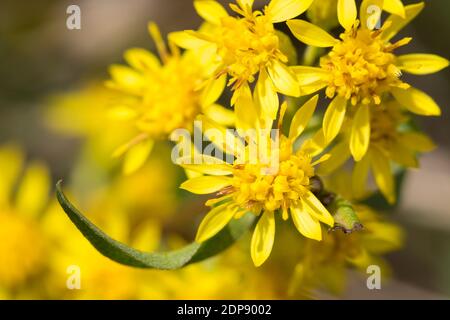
<point x="213" y="90"/>
<point x="11" y="160"/>
<point x="334" y="117"/>
<point x="221" y="136"/>
<point x="187" y="40"/>
<point x="305" y="223"/>
<point x="382" y="174"/>
<point x="220" y="114"/>
<point x="370" y="13"/>
<point x="137" y="155"/>
<point x="395" y="7"/>
<point x="282" y="10"/>
<point x="315" y="145"/>
<point x="310" y="79"/>
<point x="310" y="34"/>
<point x="266" y="95"/>
<point x="126" y="78"/>
<point x="417" y="141"/>
<point x="287" y="47"/>
<point x="359" y="177"/>
<point x="360" y="135"/>
<point x="210" y="10"/>
<point x="317" y="209"/>
<point x="245" y="3"/>
<point x="121" y="113"/>
<point x="302" y="117"/>
<point x="206" y="184"/>
<point x="283" y="79"/>
<point x="216" y="219"/>
<point x="222" y="169"/>
<point x="395" y="23"/>
<point x="32" y="195"/>
<point x="141" y="59"/>
<point x="416" y="101"/>
<point x="403" y="156"/>
<point x="346" y="13"/>
<point x="245" y="109"/>
<point x="308" y="75"/>
<point x="339" y="154"/>
<point x="263" y="238"/>
<point x="421" y="64"/>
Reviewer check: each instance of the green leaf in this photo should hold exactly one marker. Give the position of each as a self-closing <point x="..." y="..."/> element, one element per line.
<point x="123" y="254"/>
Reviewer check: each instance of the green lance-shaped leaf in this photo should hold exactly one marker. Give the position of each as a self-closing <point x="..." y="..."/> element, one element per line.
<point x="345" y="217"/>
<point x="176" y="259"/>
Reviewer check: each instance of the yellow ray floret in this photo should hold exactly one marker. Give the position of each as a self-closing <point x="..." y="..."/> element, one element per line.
<point x="280" y="186"/>
<point x="361" y="69"/>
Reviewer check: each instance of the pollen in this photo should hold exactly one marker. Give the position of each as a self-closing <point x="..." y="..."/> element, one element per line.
<point x="246" y="44"/>
<point x="256" y="190"/>
<point x="362" y="67"/>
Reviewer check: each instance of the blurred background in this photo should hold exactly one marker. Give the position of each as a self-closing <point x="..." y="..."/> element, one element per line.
<point x="41" y="60"/>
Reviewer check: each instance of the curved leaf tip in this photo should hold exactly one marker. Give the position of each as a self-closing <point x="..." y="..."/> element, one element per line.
<point x="170" y="260"/>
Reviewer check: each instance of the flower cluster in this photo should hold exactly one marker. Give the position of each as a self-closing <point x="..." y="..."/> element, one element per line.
<point x="367" y="117"/>
<point x="240" y="58"/>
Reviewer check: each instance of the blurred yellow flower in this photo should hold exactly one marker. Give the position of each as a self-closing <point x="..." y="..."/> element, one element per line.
<point x="159" y="98"/>
<point x="361" y="69"/>
<point x="252" y="185"/>
<point x="22" y="243"/>
<point x="324" y="264"/>
<point x="389" y="141"/>
<point x="84" y="113"/>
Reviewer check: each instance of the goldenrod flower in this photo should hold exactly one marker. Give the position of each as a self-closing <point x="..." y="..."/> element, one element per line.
<point x="252" y="185"/>
<point x="325" y="264"/>
<point x="22" y="243"/>
<point x="389" y="142"/>
<point x="247" y="46"/>
<point x="160" y="98"/>
<point x="361" y="69"/>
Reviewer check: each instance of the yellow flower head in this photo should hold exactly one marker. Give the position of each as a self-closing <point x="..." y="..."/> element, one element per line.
<point x="389" y="142"/>
<point x="247" y="45"/>
<point x="22" y="245"/>
<point x="325" y="264"/>
<point x="361" y="70"/>
<point x="161" y="97"/>
<point x="281" y="185"/>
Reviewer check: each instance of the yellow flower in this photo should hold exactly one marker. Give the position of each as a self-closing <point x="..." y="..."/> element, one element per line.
<point x="85" y="113"/>
<point x="388" y="142"/>
<point x="22" y="243"/>
<point x="159" y="98"/>
<point x="248" y="45"/>
<point x="361" y="69"/>
<point x="322" y="12"/>
<point x="252" y="184"/>
<point x="324" y="264"/>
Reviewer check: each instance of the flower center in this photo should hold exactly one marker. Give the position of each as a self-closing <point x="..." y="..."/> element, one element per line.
<point x="256" y="191"/>
<point x="361" y="67"/>
<point x="246" y="45"/>
<point x="21" y="249"/>
<point x="169" y="100"/>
